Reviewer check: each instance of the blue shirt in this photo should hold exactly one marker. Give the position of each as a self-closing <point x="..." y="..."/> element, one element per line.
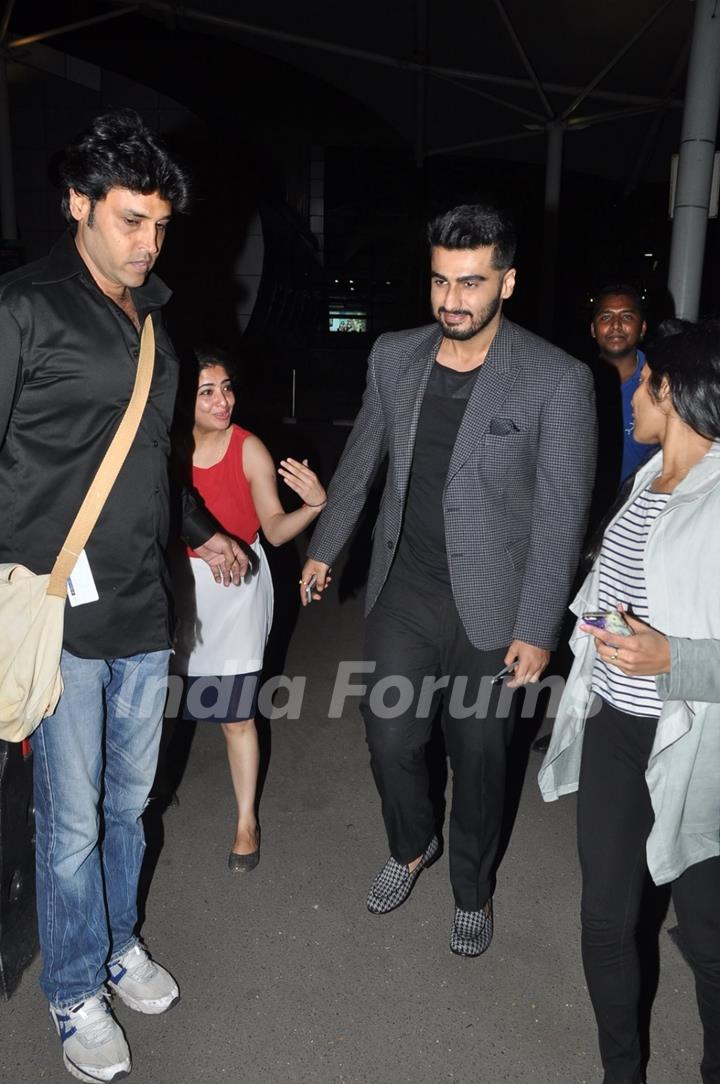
<point x="634" y="453"/>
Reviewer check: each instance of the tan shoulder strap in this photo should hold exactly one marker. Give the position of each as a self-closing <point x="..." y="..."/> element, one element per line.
<point x="109" y="469"/>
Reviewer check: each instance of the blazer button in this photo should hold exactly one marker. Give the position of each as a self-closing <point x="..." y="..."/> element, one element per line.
<point x="390" y="545"/>
<point x="155" y="444"/>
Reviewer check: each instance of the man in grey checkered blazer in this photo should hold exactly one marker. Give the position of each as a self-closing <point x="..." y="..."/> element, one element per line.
<point x="490" y="437"/>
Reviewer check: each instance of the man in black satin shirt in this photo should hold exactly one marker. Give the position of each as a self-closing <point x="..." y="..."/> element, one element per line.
<point x="69" y="343"/>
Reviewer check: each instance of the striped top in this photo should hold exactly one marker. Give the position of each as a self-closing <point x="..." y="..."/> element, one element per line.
<point x="622" y="579"/>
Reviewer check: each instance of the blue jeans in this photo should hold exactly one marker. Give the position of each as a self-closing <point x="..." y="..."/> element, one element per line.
<point x="94" y="763"/>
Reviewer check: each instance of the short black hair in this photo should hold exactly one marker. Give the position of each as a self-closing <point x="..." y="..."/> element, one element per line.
<point x="206" y="356"/>
<point x="476" y="225"/>
<point x="690" y="362"/>
<point x="623" y="288"/>
<point x="117" y="150"/>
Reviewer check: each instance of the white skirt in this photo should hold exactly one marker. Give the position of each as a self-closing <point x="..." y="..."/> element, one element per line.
<point x="220" y="630"/>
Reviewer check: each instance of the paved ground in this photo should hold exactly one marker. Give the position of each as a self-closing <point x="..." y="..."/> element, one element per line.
<point x="286" y="978"/>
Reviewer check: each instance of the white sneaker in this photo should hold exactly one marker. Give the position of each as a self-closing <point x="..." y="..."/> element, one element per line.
<point x="94" y="1046"/>
<point x="141" y="983"/>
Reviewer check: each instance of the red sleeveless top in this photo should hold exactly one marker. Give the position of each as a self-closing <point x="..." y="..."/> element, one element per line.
<point x="226" y="491"/>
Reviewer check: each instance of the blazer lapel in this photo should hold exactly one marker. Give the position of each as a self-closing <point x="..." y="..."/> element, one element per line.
<point x="412" y="382"/>
<point x="491" y="388"/>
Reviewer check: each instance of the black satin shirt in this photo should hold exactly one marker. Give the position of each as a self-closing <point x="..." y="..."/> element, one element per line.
<point x="68" y="357"/>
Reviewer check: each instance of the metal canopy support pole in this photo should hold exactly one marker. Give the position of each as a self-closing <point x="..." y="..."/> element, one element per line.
<point x="697" y="149"/>
<point x="553" y="181"/>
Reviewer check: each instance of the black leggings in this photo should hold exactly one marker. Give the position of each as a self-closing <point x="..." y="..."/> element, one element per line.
<point x="614" y="820"/>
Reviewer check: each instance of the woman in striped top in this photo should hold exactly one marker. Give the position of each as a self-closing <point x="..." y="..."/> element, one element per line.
<point x="638" y="727"/>
<point x="622" y="586"/>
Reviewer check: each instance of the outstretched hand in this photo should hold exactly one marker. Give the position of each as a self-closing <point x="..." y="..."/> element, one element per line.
<point x="303" y="481"/>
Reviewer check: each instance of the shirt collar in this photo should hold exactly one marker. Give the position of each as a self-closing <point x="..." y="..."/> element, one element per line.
<point x="64" y="262"/>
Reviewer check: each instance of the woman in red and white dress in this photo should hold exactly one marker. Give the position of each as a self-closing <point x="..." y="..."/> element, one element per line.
<point x="222" y="631"/>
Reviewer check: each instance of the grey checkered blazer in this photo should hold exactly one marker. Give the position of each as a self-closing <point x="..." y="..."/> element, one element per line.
<point x="518" y="484"/>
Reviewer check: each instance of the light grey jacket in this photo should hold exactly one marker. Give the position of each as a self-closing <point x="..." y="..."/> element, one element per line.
<point x="682" y="571"/>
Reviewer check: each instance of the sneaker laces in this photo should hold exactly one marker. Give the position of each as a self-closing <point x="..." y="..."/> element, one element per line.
<point x="138" y="964"/>
<point x="97" y="1023"/>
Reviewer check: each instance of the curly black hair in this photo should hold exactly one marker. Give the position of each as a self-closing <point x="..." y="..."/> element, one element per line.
<point x="117" y="150"/>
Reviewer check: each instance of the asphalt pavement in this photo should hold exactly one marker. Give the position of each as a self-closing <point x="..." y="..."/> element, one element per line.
<point x="285" y="976"/>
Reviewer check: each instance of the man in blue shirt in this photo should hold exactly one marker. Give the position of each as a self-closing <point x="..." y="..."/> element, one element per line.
<point x="618" y="326"/>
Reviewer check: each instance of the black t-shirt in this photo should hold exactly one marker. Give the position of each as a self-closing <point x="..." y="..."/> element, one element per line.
<point x="422" y="551"/>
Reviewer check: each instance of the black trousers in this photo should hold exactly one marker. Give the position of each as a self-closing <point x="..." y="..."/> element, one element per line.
<point x="415" y="636"/>
<point x="614" y="820"/>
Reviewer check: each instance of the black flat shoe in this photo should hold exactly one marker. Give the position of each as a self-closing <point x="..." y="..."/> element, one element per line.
<point x="243" y="863"/>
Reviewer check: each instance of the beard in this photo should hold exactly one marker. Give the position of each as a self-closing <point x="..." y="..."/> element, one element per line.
<point x="481" y="321"/>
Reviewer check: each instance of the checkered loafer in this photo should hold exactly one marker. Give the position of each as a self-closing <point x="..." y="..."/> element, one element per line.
<point x="394" y="882"/>
<point x="472" y="931"/>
